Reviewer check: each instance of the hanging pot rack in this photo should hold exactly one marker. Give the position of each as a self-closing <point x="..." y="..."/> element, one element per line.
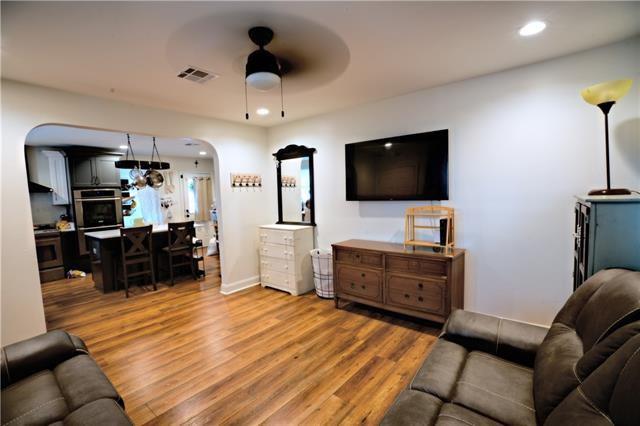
<point x="142" y="164"/>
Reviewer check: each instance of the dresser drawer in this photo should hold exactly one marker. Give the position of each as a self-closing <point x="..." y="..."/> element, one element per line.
<point x="276" y="264"/>
<point x="427" y="295"/>
<point x="363" y="258"/>
<point x="359" y="282"/>
<point x="278" y="251"/>
<point x="416" y="266"/>
<point x="279" y="279"/>
<point x="276" y="236"/>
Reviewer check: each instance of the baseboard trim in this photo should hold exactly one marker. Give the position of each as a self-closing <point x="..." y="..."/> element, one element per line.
<point x="237" y="286"/>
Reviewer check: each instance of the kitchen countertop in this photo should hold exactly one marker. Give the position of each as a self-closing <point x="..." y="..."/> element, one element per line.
<point x="54" y="231"/>
<point x="115" y="233"/>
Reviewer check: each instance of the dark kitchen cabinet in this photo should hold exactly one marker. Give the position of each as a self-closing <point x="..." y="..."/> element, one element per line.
<point x="82" y="172"/>
<point x="97" y="170"/>
<point x="106" y="172"/>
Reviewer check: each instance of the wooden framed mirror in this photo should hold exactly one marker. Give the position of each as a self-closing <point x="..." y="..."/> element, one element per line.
<point x="296" y="201"/>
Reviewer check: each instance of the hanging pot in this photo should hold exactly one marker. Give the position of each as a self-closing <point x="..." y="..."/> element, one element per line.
<point x="154" y="178"/>
<point x="139" y="179"/>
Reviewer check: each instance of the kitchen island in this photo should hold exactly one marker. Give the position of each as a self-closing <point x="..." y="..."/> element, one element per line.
<point x="105" y="255"/>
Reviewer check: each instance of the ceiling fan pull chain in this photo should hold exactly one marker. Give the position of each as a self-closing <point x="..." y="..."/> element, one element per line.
<point x="281" y="99"/>
<point x="246" y="103"/>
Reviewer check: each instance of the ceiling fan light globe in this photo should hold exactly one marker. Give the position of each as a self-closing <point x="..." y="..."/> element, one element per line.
<point x="263" y="81"/>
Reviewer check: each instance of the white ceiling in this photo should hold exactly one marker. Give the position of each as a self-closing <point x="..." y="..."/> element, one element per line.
<point x="345" y="53"/>
<point x="56" y="135"/>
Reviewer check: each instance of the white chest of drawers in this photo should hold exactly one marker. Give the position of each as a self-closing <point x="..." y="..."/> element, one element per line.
<point x="285" y="262"/>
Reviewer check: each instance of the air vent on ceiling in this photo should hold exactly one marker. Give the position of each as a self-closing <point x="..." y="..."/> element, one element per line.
<point x="197" y="75"/>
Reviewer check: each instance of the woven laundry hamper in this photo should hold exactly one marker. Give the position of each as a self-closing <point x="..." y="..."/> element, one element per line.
<point x="323" y="272"/>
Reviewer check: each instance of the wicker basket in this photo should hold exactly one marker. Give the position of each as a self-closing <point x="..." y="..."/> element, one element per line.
<point x="323" y="272"/>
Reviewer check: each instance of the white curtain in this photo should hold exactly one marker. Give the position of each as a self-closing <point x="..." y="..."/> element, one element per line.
<point x="203" y="198"/>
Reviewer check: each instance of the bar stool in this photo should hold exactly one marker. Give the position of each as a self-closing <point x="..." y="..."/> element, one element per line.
<point x="180" y="237"/>
<point x="136" y="248"/>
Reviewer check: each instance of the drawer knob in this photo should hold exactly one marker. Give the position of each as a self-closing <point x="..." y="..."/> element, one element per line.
<point x="420" y="298"/>
<point x="353" y="285"/>
<point x="406" y="296"/>
<point x="420" y="285"/>
<point x="363" y="286"/>
<point x="357" y="256"/>
<point x="362" y="275"/>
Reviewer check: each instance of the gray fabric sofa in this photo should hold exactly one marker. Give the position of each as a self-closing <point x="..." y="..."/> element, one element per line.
<point x="583" y="370"/>
<point x="51" y="379"/>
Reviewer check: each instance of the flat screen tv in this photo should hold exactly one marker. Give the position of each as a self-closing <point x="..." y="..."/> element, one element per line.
<point x="409" y="167"/>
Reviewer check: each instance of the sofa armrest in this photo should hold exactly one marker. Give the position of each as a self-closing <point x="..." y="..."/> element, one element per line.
<point x="512" y="340"/>
<point x="43" y="352"/>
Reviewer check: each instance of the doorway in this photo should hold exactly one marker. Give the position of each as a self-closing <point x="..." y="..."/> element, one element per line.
<point x="76" y="189"/>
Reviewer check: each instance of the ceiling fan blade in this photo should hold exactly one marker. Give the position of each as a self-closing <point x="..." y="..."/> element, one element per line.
<point x="286" y="67"/>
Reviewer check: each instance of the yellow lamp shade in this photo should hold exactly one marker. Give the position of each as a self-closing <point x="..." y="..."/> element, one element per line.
<point x="610" y="91"/>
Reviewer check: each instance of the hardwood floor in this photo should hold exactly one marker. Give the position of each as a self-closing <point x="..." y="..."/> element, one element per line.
<point x="189" y="355"/>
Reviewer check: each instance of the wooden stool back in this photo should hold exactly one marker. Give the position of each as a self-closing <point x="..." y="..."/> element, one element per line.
<point x="136" y="246"/>
<point x="180" y="237"/>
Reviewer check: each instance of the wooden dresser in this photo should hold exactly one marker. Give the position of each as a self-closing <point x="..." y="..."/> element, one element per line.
<point x="285" y="259"/>
<point x="417" y="282"/>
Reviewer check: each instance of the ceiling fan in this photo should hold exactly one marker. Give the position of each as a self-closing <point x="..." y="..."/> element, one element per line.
<point x="263" y="70"/>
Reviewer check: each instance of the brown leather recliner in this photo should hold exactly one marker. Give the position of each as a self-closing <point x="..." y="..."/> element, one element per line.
<point x="583" y="370"/>
<point x="51" y="379"/>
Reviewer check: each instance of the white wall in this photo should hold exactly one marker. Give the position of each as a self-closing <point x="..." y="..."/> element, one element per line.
<point x="239" y="148"/>
<point x="521" y="144"/>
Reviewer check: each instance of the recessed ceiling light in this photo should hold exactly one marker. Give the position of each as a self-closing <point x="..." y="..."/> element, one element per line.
<point x="123" y="147"/>
<point x="262" y="111"/>
<point x="388" y="145"/>
<point x="532" y="28"/>
<point x="203" y="152"/>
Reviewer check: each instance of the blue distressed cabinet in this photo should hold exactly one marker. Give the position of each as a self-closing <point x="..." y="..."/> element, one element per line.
<point x="607" y="235"/>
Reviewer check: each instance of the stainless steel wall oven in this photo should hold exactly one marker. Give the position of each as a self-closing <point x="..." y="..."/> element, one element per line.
<point x="96" y="209"/>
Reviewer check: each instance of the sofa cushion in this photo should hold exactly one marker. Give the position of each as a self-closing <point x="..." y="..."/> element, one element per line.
<point x="582" y="325"/>
<point x="609" y="395"/>
<point x="98" y="413"/>
<point x="81" y="381"/>
<point x="496" y="388"/>
<point x="34" y="400"/>
<point x="623" y="406"/>
<point x="42" y="352"/>
<point x="456" y="415"/>
<point x="554" y="377"/>
<point x="622" y="301"/>
<point x="512" y="340"/>
<point x="439" y="373"/>
<point x="413" y="408"/>
<point x="605" y="348"/>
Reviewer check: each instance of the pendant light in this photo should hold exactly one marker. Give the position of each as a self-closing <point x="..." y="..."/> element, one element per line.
<point x="262" y="71"/>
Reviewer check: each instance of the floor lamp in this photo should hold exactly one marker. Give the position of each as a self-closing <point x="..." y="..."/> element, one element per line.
<point x="604" y="96"/>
